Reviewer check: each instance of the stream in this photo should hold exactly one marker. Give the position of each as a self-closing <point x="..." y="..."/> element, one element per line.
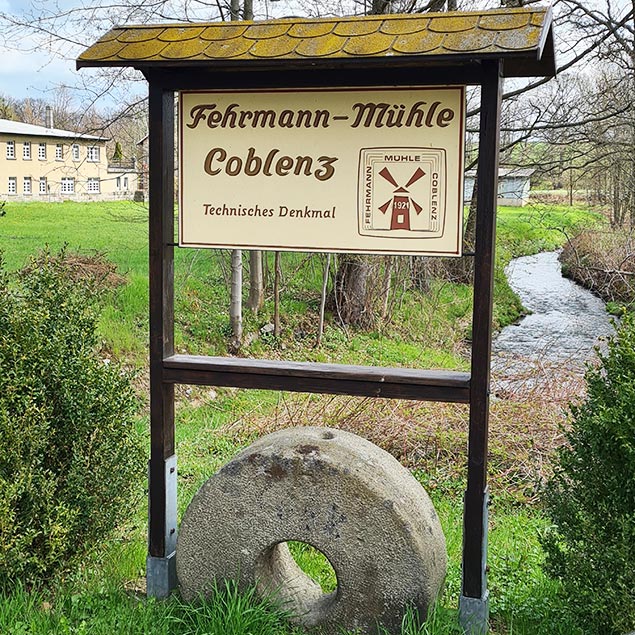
<point x="559" y="336"/>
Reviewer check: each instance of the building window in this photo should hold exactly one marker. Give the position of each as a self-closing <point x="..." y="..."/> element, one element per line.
<point x="13" y="185"/>
<point x="92" y="153"/>
<point x="93" y="186"/>
<point x="26" y="151"/>
<point x="125" y="182"/>
<point x="59" y="152"/>
<point x="26" y="186"/>
<point x="41" y="151"/>
<point x="10" y="149"/>
<point x="75" y="151"/>
<point x="118" y="182"/>
<point x="68" y="185"/>
<point x="43" y="188"/>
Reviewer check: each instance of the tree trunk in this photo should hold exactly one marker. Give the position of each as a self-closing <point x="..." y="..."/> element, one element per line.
<point x="436" y="5"/>
<point x="256" y="284"/>
<point x="462" y="269"/>
<point x="236" y="301"/>
<point x="276" y="294"/>
<point x="380" y="6"/>
<point x="351" y="277"/>
<point x="351" y="285"/>
<point x="387" y="286"/>
<point x="234" y="10"/>
<point x="236" y="305"/>
<point x="420" y="273"/>
<point x="469" y="237"/>
<point x="325" y="281"/>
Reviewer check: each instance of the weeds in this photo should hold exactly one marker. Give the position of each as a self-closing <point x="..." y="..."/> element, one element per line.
<point x="604" y="262"/>
<point x="430" y="438"/>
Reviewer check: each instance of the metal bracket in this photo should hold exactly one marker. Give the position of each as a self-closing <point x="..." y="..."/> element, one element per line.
<point x="170" y="504"/>
<point x="474" y="612"/>
<point x="160" y="576"/>
<point x="161" y="571"/>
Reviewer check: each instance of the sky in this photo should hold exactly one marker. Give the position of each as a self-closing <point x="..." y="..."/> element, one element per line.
<point x="30" y="73"/>
<point x="28" y="70"/>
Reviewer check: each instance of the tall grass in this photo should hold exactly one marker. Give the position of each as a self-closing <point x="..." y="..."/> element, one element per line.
<point x="109" y="610"/>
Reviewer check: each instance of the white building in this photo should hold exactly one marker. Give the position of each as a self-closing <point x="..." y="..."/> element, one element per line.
<point x="45" y="163"/>
<point x="513" y="186"/>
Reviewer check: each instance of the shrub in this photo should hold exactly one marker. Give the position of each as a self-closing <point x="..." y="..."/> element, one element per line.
<point x="591" y="497"/>
<point x="71" y="459"/>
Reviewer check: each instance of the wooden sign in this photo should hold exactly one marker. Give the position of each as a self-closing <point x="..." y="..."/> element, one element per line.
<point x="368" y="171"/>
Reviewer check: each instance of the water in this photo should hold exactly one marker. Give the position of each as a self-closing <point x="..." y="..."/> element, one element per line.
<point x="566" y="324"/>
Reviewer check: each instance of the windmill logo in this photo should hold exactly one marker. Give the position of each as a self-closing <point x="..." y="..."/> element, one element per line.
<point x="402" y="192"/>
<point x="400" y="202"/>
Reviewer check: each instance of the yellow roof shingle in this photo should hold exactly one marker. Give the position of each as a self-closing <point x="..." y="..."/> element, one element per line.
<point x="520" y="33"/>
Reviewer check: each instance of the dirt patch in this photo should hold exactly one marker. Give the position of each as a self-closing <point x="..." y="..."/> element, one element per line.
<point x="93" y="269"/>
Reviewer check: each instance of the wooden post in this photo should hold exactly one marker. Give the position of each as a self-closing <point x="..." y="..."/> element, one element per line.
<point x="160" y="566"/>
<point x="474" y="601"/>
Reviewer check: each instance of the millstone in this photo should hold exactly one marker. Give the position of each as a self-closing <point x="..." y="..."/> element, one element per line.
<point x="335" y="491"/>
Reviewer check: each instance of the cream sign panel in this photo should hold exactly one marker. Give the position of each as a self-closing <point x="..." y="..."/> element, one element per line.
<point x="371" y="171"/>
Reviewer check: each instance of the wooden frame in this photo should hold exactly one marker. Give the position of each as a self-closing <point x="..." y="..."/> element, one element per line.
<point x="167" y="369"/>
<point x="484" y="67"/>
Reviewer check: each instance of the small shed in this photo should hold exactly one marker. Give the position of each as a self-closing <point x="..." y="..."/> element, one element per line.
<point x="513" y="186"/>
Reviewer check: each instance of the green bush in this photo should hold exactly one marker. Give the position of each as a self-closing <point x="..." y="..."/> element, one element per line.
<point x="591" y="497"/>
<point x="71" y="460"/>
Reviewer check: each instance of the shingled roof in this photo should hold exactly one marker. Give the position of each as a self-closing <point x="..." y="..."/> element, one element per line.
<point x="521" y="37"/>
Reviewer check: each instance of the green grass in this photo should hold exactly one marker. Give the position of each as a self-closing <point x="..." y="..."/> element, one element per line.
<point x="118" y="229"/>
<point x="427" y="330"/>
<point x="110" y="610"/>
<point x="100" y="599"/>
<point x="523" y="231"/>
<point x="315" y="564"/>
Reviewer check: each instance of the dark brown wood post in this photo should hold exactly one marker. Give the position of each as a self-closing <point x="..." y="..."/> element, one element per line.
<point x="161" y="572"/>
<point x="474" y="604"/>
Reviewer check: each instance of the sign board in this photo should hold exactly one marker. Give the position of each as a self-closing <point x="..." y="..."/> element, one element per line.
<point x="368" y="171"/>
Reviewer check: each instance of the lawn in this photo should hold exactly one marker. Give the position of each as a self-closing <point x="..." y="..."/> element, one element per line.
<point x="104" y="594"/>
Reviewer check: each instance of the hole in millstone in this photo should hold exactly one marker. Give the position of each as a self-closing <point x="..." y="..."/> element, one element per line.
<point x="300" y="577"/>
<point x="315" y="564"/>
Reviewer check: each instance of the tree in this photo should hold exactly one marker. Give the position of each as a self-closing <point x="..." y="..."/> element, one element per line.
<point x="353" y="304"/>
<point x="7" y="111"/>
<point x="236" y="306"/>
<point x="117" y="155"/>
<point x="602" y="32"/>
<point x="256" y="282"/>
<point x="236" y="299"/>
